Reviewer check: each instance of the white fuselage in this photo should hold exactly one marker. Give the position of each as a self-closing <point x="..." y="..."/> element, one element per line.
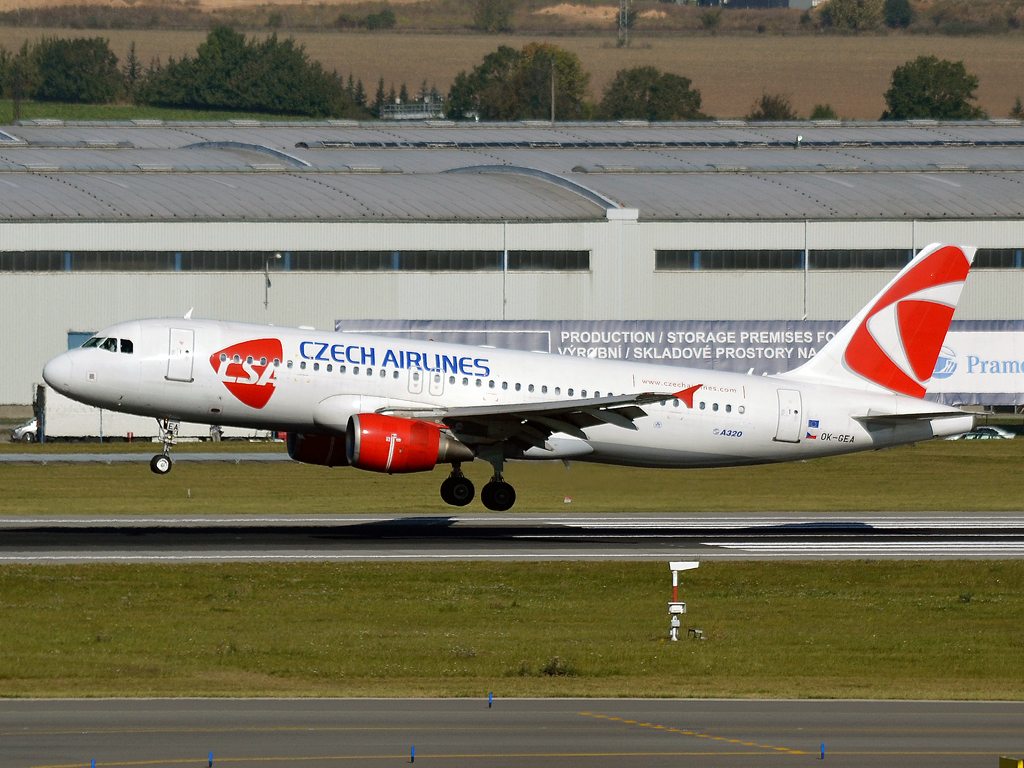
<point x="175" y="370"/>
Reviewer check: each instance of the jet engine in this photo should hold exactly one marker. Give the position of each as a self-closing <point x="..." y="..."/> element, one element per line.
<point x="395" y="445"/>
<point x="325" y="450"/>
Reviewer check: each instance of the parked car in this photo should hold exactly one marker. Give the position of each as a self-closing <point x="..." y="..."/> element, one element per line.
<point x="985" y="433"/>
<point x="26" y="433"/>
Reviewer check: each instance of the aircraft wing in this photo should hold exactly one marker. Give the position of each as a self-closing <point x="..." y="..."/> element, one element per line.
<point x="529" y="425"/>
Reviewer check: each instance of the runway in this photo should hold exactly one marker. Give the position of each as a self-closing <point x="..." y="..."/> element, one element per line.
<point x="521" y="537"/>
<point x="546" y="732"/>
<point x="140" y="458"/>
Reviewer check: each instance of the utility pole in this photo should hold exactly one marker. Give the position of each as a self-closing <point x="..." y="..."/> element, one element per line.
<point x="16" y="118"/>
<point x="552" y="88"/>
<point x="623" y="23"/>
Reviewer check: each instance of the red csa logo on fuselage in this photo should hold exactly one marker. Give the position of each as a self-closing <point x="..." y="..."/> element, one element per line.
<point x="247" y="369"/>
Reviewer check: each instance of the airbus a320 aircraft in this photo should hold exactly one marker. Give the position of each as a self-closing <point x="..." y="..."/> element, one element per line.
<point x="391" y="405"/>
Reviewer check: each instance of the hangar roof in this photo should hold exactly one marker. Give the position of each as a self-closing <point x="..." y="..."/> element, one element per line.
<point x="443" y="171"/>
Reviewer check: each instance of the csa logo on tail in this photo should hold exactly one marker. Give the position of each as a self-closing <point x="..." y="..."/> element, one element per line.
<point x="898" y="341"/>
<point x="247" y="369"/>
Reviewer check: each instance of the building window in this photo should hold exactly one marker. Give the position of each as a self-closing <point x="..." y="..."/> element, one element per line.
<point x="861" y="258"/>
<point x="728" y="260"/>
<point x="556" y="261"/>
<point x="998" y="258"/>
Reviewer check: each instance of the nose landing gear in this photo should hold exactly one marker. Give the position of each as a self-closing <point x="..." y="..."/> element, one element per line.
<point x="161" y="463"/>
<point x="457" y="490"/>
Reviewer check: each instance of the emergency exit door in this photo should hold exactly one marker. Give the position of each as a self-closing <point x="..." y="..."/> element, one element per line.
<point x="790" y="418"/>
<point x="180" y="355"/>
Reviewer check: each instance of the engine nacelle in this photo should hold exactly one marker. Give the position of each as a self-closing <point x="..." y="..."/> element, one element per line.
<point x="394" y="445"/>
<point x="325" y="450"/>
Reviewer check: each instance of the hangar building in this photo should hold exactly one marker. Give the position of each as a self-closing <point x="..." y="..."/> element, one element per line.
<point x="310" y="223"/>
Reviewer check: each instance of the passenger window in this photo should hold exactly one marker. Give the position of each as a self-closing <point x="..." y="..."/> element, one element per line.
<point x="223" y="357"/>
<point x="544" y="389"/>
<point x="598" y="394"/>
<point x="465" y="382"/>
<point x="316" y="366"/>
<point x="702" y="406"/>
<point x="302" y="365"/>
<point x="583" y="393"/>
<point x="330" y="367"/>
<point x="479" y="383"/>
<point x="94" y="341"/>
<point x="383" y="373"/>
<point x="558" y="390"/>
<point x="355" y="370"/>
<point x="290" y="363"/>
<point x="570" y="392"/>
<point x="714" y="406"/>
<point x="728" y="409"/>
<point x="531" y="387"/>
<point x="518" y="386"/>
<point x="127" y="347"/>
<point x="249" y="361"/>
<point x="504" y="385"/>
<point x="675" y="403"/>
<point x="741" y="409"/>
<point x="237" y="359"/>
<point x="277" y="361"/>
<point x="109" y="344"/>
<point x="395" y="376"/>
<point x="369" y="371"/>
<point x="341" y="369"/>
<point x="490" y="384"/>
<point x="263" y="361"/>
<point x="451" y="379"/>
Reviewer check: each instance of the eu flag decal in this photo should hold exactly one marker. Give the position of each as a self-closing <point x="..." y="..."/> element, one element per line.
<point x="812" y="424"/>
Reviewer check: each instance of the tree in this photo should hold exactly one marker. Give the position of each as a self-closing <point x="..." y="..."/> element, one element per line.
<point x="931" y="88"/>
<point x="823" y="112"/>
<point x="382" y="19"/>
<point x="516" y="85"/>
<point x="132" y="71"/>
<point x="379" y="98"/>
<point x="851" y="14"/>
<point x="772" y="107"/>
<point x="1017" y="111"/>
<point x="229" y="72"/>
<point x="493" y="15"/>
<point x="79" y="70"/>
<point x="648" y="94"/>
<point x="898" y="13"/>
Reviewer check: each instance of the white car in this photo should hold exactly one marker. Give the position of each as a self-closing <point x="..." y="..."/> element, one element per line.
<point x="26" y="433"/>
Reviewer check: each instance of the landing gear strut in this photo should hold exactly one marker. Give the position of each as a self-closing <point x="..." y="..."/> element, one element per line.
<point x="497" y="495"/>
<point x="161" y="463"/>
<point x="457" y="490"/>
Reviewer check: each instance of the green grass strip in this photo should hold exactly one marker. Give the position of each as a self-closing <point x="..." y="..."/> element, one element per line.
<point x="943" y="630"/>
<point x="940" y="475"/>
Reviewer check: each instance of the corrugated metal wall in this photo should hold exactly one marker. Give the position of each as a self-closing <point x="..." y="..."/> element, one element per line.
<point x="38" y="310"/>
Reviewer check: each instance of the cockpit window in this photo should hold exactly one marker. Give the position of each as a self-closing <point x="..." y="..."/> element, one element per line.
<point x="94" y="341"/>
<point x="127" y="347"/>
<point x="109" y="344"/>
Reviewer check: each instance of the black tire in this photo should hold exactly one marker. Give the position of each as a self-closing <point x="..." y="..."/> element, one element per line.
<point x="28" y="437"/>
<point x="498" y="497"/>
<point x="457" y="491"/>
<point x="161" y="464"/>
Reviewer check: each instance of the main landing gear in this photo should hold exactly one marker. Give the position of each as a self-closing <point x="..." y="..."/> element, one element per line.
<point x="458" y="489"/>
<point x="497" y="495"/>
<point x="161" y="463"/>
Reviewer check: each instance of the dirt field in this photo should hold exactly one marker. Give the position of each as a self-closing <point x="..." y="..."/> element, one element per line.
<point x="850" y="73"/>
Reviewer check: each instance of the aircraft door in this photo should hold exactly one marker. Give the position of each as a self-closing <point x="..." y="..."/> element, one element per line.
<point x="415" y="381"/>
<point x="790" y="418"/>
<point x="436" y="383"/>
<point x="180" y="355"/>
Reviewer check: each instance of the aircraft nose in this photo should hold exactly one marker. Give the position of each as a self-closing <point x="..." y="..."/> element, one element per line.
<point x="57" y="373"/>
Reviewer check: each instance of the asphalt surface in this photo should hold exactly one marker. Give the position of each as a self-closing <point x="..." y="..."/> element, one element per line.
<point x="538" y="733"/>
<point x="511" y="537"/>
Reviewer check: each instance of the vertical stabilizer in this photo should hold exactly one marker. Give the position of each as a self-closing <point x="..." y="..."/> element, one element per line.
<point x="893" y="343"/>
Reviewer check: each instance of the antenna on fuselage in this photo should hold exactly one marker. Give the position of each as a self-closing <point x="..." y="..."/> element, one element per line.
<point x="188" y="315"/>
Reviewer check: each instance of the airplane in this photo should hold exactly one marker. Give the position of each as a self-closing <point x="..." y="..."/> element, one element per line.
<point x="396" y="405"/>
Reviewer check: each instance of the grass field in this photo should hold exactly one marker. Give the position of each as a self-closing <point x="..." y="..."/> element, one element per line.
<point x="34" y="110"/>
<point x="935" y="630"/>
<point x="850" y="73"/>
<point x="940" y="475"/>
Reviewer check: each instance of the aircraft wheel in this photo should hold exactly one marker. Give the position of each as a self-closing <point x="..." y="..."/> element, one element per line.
<point x="161" y="464"/>
<point x="498" y="496"/>
<point x="457" y="491"/>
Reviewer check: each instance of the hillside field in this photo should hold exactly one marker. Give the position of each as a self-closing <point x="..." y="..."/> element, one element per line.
<point x="850" y="73"/>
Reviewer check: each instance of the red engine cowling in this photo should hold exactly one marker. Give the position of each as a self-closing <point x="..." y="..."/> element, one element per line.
<point x="394" y="445"/>
<point x="326" y="450"/>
